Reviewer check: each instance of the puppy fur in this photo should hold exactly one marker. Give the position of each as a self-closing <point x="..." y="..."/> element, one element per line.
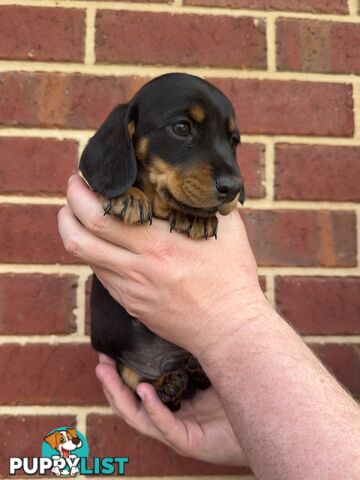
<point x="170" y="152"/>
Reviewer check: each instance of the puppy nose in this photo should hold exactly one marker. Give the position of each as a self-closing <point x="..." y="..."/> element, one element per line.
<point x="76" y="441"/>
<point x="228" y="187"/>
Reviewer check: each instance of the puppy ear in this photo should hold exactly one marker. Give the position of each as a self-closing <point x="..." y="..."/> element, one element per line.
<point x="72" y="432"/>
<point x="108" y="162"/>
<point x="53" y="440"/>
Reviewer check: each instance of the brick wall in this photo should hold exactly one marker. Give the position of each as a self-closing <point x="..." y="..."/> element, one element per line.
<point x="291" y="69"/>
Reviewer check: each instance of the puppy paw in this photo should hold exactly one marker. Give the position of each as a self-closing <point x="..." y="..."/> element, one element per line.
<point x="170" y="388"/>
<point x="131" y="207"/>
<point x="194" y="227"/>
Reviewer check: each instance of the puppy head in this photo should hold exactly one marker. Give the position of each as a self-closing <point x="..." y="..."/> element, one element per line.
<point x="64" y="441"/>
<point x="181" y="133"/>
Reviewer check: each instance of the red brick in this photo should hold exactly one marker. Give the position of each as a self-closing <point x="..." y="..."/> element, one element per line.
<point x="41" y="374"/>
<point x="108" y="436"/>
<point x="87" y="305"/>
<point x="291" y="107"/>
<point x="38" y="33"/>
<point x="37" y="304"/>
<point x="343" y="360"/>
<point x="302" y="238"/>
<point x="22" y="435"/>
<point x="263" y="106"/>
<point x="250" y="158"/>
<point x="180" y="39"/>
<point x="320" y="305"/>
<point x="61" y="100"/>
<point x="320" y="6"/>
<point x="36" y="166"/>
<point x="317" y="172"/>
<point x="315" y="46"/>
<point x="29" y="234"/>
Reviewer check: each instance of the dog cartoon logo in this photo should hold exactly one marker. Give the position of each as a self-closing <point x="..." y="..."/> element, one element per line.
<point x="66" y="445"/>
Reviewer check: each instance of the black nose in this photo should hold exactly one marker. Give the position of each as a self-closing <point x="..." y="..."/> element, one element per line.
<point x="76" y="441"/>
<point x="228" y="188"/>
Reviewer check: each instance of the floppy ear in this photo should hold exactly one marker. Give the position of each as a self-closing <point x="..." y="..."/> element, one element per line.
<point x="72" y="432"/>
<point x="108" y="162"/>
<point x="53" y="440"/>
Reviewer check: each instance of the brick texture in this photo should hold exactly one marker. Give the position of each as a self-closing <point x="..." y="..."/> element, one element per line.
<point x="291" y="107"/>
<point x="36" y="166"/>
<point x="29" y="234"/>
<point x="320" y="6"/>
<point x="317" y="172"/>
<point x="55" y="100"/>
<point x="315" y="46"/>
<point x="251" y="162"/>
<point x="147" y="457"/>
<point x="343" y="360"/>
<point x="302" y="238"/>
<point x="40" y="374"/>
<point x="29" y="430"/>
<point x="320" y="305"/>
<point x="60" y="77"/>
<point x="180" y="39"/>
<point x="24" y="29"/>
<point x="37" y="304"/>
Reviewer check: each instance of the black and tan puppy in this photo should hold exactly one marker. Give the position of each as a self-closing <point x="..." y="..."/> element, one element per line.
<point x="169" y="152"/>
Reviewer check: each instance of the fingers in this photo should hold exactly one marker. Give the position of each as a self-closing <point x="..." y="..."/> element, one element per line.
<point x="87" y="208"/>
<point x="81" y="243"/>
<point x="172" y="428"/>
<point x="123" y="401"/>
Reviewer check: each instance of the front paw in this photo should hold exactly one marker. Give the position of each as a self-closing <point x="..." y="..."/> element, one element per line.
<point x="194" y="227"/>
<point x="132" y="207"/>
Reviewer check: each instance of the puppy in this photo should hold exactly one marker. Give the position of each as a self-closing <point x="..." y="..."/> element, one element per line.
<point x="169" y="152"/>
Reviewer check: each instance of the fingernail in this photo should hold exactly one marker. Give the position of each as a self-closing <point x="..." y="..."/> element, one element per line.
<point x="141" y="394"/>
<point x="71" y="179"/>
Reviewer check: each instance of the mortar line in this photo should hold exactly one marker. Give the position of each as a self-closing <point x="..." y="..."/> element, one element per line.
<point x="270" y="288"/>
<point x="310" y="271"/>
<point x="82" y="136"/>
<point x="255" y="204"/>
<point x="142" y="70"/>
<point x="356" y="100"/>
<point x="174" y="8"/>
<point x="353" y="8"/>
<point x="89" y="58"/>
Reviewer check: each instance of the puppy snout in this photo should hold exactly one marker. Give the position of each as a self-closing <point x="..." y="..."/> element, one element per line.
<point x="228" y="188"/>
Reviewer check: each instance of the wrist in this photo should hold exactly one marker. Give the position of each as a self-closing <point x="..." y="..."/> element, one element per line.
<point x="238" y="317"/>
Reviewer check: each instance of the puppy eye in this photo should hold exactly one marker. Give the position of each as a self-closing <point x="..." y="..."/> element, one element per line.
<point x="182" y="128"/>
<point x="235" y="140"/>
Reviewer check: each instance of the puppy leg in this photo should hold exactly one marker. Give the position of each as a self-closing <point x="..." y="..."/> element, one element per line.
<point x="132" y="207"/>
<point x="194" y="227"/>
<point x="129" y="377"/>
<point x="170" y="388"/>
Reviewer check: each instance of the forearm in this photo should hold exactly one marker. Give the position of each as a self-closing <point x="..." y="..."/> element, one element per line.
<point x="294" y="419"/>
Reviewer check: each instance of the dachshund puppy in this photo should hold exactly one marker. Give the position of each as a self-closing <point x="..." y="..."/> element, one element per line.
<point x="168" y="152"/>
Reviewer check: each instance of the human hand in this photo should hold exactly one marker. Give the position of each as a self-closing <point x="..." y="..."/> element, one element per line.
<point x="178" y="287"/>
<point x="200" y="429"/>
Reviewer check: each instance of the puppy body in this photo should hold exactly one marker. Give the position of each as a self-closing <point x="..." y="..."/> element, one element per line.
<point x="169" y="152"/>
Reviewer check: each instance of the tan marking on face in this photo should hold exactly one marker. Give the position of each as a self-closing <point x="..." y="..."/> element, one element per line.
<point x="141" y="148"/>
<point x="131" y="129"/>
<point x="226" y="208"/>
<point x="131" y="378"/>
<point x="195" y="187"/>
<point x="197" y="113"/>
<point x="232" y="125"/>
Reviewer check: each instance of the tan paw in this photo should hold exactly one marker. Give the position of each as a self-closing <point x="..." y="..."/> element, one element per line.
<point x="194" y="227"/>
<point x="132" y="206"/>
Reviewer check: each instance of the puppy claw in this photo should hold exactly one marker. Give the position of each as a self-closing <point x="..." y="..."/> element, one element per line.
<point x="107" y="209"/>
<point x="131" y="207"/>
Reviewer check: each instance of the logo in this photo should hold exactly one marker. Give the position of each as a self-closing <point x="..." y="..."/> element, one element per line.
<point x="65" y="452"/>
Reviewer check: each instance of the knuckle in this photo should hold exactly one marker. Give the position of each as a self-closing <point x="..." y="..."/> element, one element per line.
<point x="96" y="222"/>
<point x="72" y="246"/>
